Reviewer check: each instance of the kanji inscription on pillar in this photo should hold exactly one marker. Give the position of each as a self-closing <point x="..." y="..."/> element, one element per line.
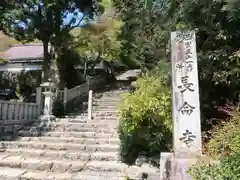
<point x="185" y="90"/>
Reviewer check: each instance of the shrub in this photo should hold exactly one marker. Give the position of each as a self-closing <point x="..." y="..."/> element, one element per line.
<point x="145" y="123"/>
<point x="58" y="108"/>
<point x="228" y="169"/>
<point x="205" y="172"/>
<point x="25" y="83"/>
<point x="226" y="139"/>
<point x="224" y="145"/>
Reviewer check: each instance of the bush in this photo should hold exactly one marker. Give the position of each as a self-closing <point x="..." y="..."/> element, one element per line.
<point x="226" y="139"/>
<point x="145" y="123"/>
<point x="25" y="83"/>
<point x="224" y="145"/>
<point x="58" y="108"/>
<point x="228" y="169"/>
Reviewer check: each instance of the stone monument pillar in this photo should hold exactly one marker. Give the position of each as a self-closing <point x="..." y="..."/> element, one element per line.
<point x="187" y="144"/>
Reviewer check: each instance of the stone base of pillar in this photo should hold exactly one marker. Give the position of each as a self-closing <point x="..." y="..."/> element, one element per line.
<point x="43" y="123"/>
<point x="46" y="120"/>
<point x="175" y="168"/>
<point x="50" y="118"/>
<point x="164" y="157"/>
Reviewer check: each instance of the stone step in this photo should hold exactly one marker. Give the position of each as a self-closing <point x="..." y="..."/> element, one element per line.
<point x="107" y="102"/>
<point x="103" y="104"/>
<point x="60" y="146"/>
<point x="63" y="155"/>
<point x="86" y="141"/>
<point x="108" y="99"/>
<point x="105" y="114"/>
<point x="61" y="166"/>
<point x="7" y="173"/>
<point x="73" y="128"/>
<point x="105" y="108"/>
<point x="84" y="119"/>
<point x="109" y="113"/>
<point x="106" y="105"/>
<point x="110" y="123"/>
<point x="100" y="102"/>
<point x="100" y="176"/>
<point x="99" y="119"/>
<point x="90" y="124"/>
<point x="68" y="134"/>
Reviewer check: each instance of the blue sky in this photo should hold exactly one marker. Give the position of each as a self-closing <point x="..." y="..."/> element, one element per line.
<point x="69" y="17"/>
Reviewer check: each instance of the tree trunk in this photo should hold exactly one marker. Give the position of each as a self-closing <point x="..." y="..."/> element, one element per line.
<point x="46" y="62"/>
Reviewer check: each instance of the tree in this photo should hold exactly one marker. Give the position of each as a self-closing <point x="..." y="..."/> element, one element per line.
<point x="216" y="23"/>
<point x="217" y="26"/>
<point x="5" y="5"/>
<point x="97" y="40"/>
<point x="44" y="20"/>
<point x="143" y="34"/>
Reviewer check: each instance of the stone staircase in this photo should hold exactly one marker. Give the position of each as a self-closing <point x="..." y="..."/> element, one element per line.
<point x="73" y="148"/>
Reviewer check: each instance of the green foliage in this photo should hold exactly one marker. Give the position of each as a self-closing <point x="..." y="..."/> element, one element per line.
<point x="228" y="169"/>
<point x="27" y="82"/>
<point x="145" y="123"/>
<point x="143" y="35"/>
<point x="226" y="139"/>
<point x="224" y="145"/>
<point x="66" y="63"/>
<point x="5" y="6"/>
<point x="206" y="172"/>
<point x="98" y="40"/>
<point x="217" y="26"/>
<point x="58" y="108"/>
<point x="44" y="20"/>
<point x="3" y="60"/>
<point x="145" y="39"/>
<point x="6" y="42"/>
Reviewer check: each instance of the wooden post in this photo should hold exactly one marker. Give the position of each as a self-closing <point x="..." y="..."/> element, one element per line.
<point x="26" y="112"/>
<point x="85" y="69"/>
<point x="16" y="113"/>
<point x="65" y="98"/>
<point x="39" y="100"/>
<point x="90" y="105"/>
<point x="88" y="83"/>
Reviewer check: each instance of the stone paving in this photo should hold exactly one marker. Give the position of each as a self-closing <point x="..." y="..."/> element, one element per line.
<point x="72" y="149"/>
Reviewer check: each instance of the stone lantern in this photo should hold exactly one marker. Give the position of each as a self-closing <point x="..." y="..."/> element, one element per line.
<point x="49" y="91"/>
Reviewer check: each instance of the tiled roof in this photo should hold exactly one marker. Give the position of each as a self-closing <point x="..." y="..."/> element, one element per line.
<point x="25" y="52"/>
<point x="129" y="74"/>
